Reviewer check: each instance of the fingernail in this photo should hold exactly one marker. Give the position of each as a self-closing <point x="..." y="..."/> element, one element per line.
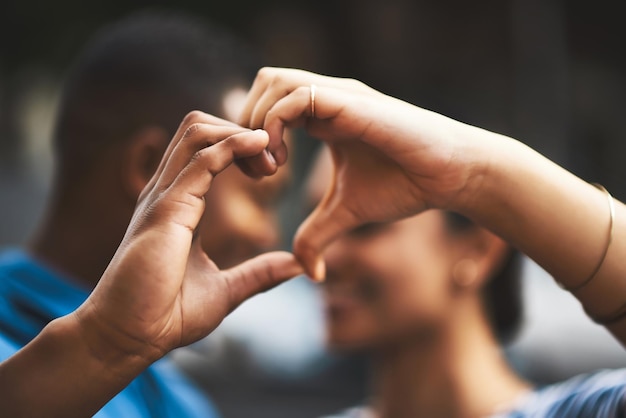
<point x="319" y="271"/>
<point x="270" y="157"/>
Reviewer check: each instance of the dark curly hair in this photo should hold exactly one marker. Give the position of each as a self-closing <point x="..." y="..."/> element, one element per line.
<point x="150" y="68"/>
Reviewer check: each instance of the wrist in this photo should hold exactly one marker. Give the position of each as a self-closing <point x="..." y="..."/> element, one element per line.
<point x="59" y="373"/>
<point x="480" y="153"/>
<point x="123" y="356"/>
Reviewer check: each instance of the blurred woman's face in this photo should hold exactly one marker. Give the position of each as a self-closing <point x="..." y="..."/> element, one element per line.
<point x="389" y="282"/>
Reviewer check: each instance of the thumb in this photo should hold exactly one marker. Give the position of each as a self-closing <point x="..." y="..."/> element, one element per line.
<point x="260" y="274"/>
<point x="329" y="220"/>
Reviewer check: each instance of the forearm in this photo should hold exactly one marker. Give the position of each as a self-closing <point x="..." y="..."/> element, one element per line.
<point x="58" y="374"/>
<point x="557" y="219"/>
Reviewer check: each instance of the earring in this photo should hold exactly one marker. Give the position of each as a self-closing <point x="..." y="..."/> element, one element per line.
<point x="465" y="272"/>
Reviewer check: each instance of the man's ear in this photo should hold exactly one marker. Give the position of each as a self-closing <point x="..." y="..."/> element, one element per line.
<point x="483" y="254"/>
<point x="142" y="157"/>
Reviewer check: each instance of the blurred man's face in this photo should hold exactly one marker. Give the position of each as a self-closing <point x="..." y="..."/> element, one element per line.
<point x="240" y="217"/>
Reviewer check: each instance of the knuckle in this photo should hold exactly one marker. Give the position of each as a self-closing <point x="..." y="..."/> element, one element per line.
<point x="264" y="278"/>
<point x="191" y="131"/>
<point x="153" y="208"/>
<point x="355" y="83"/>
<point x="192" y="117"/>
<point x="265" y="73"/>
<point x="304" y="91"/>
<point x="230" y="139"/>
<point x="200" y="155"/>
<point x="270" y="115"/>
<point x="210" y="160"/>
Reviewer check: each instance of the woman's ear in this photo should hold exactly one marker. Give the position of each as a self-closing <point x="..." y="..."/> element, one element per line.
<point x="480" y="256"/>
<point x="142" y="157"/>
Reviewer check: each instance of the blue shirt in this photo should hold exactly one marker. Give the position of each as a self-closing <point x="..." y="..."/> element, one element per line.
<point x="600" y="394"/>
<point x="32" y="295"/>
<point x="596" y="395"/>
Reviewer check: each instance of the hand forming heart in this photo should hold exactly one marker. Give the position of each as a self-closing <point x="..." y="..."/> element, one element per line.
<point x="391" y="159"/>
<point x="161" y="291"/>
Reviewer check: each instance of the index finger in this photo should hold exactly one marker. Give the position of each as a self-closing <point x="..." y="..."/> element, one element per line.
<point x="191" y="118"/>
<point x="271" y="85"/>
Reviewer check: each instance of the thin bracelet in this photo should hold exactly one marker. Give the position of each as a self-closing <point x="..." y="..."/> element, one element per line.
<point x="606" y="247"/>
